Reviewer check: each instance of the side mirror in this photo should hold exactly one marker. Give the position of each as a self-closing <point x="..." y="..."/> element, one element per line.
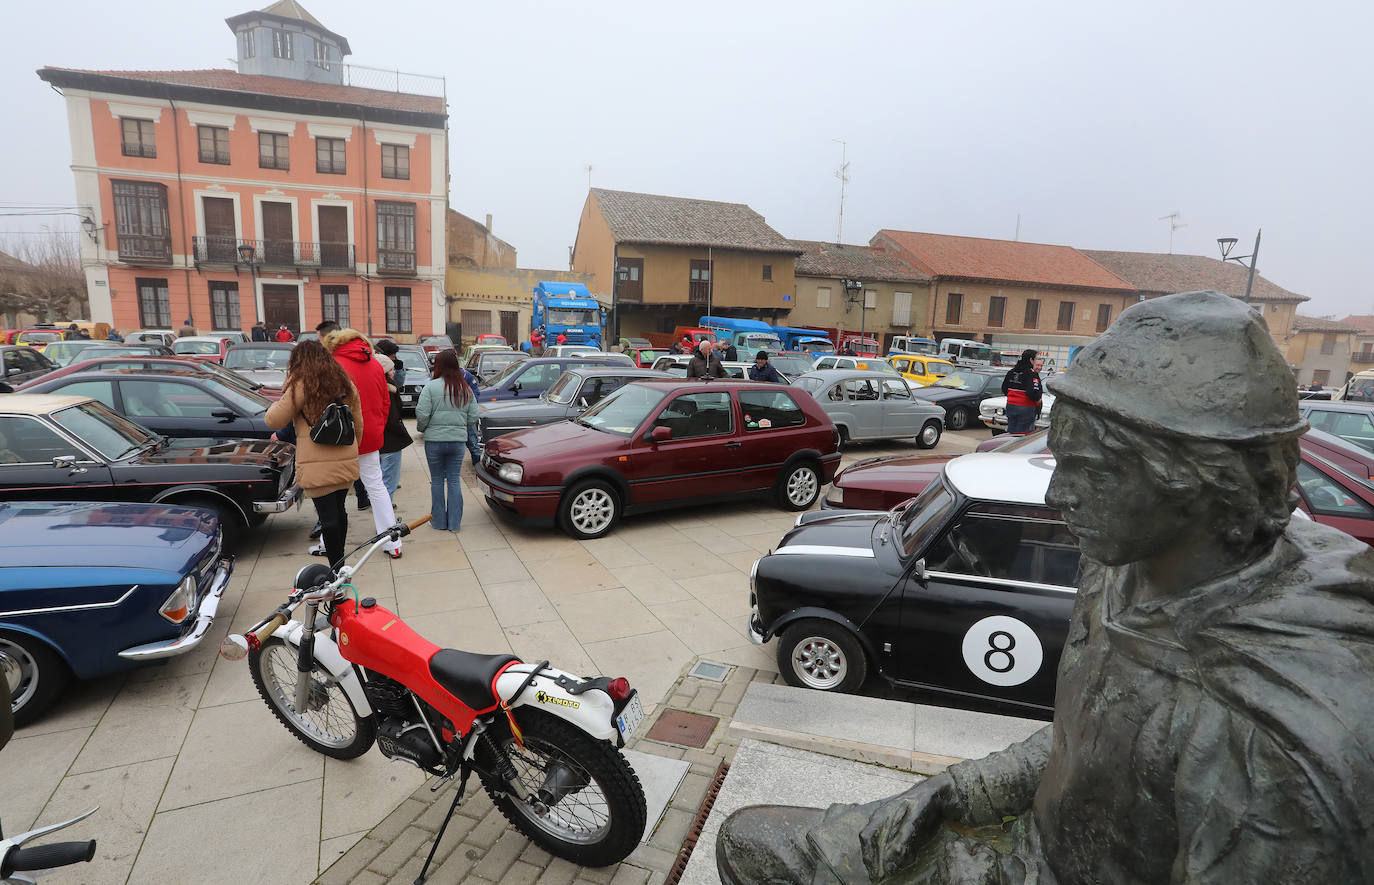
<point x="919" y="570"/>
<point x="515" y="388"/>
<point x="659" y="434"/>
<point x="224" y="415"/>
<point x="582" y="401"/>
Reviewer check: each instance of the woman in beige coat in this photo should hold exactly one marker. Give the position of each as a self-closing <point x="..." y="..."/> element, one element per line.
<point x="325" y="473"/>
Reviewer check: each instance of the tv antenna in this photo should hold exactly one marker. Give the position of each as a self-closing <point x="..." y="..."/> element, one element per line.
<point x="1174" y="224"/>
<point x="842" y="174"/>
<point x="589" y="176"/>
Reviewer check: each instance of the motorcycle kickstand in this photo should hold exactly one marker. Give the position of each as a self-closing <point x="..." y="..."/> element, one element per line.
<point x="457" y="799"/>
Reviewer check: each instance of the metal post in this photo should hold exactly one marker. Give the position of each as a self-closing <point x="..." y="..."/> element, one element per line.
<point x="1254" y="259"/>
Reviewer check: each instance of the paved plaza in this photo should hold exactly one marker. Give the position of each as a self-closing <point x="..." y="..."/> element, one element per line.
<point x="198" y="782"/>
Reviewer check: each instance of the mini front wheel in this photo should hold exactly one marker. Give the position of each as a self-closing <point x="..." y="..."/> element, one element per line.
<point x="586" y="804"/>
<point x="822" y="655"/>
<point x="329" y="724"/>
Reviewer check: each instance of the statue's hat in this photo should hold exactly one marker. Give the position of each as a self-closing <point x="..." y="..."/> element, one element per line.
<point x="1194" y="364"/>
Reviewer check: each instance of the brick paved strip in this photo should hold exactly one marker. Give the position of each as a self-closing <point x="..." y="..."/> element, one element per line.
<point x="346" y="868"/>
<point x="399" y="851"/>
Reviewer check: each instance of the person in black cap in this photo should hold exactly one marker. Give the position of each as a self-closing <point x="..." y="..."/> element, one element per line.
<point x="762" y="370"/>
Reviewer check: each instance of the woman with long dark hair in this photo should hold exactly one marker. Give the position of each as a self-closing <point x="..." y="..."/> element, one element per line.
<point x="313" y="381"/>
<point x="446" y="410"/>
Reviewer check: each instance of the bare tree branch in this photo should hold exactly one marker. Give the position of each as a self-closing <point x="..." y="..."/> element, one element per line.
<point x="40" y="275"/>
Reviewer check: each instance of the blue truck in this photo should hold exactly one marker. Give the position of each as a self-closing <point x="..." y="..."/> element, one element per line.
<point x="748" y="336"/>
<point x="567" y="309"/>
<point x="812" y="341"/>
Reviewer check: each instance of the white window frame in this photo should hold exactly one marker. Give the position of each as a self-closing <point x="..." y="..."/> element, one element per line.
<point x="823" y="297"/>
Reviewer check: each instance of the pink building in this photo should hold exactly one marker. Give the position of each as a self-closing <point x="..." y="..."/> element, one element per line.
<point x="275" y="192"/>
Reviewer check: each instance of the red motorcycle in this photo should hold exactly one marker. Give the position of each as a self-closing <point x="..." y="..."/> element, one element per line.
<point x="544" y="743"/>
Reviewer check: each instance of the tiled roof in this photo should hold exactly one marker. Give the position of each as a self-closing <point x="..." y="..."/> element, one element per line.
<point x="974" y="258"/>
<point x="1157" y="274"/>
<point x="256" y="84"/>
<point x="852" y="262"/>
<point x="292" y="9"/>
<point x="1317" y="324"/>
<point x="678" y="221"/>
<point x="1363" y="322"/>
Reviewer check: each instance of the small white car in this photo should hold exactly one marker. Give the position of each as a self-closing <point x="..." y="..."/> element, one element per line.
<point x="993" y="413"/>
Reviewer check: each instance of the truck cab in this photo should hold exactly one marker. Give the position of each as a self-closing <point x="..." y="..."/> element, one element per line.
<point x="812" y="341"/>
<point x="748" y="336"/>
<point x="904" y="344"/>
<point x="963" y="352"/>
<point x="567" y="309"/>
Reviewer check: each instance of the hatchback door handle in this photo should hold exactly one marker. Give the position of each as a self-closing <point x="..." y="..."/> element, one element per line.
<point x="733" y="445"/>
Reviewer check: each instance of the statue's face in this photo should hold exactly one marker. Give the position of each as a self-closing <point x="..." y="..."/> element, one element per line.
<point x="1115" y="507"/>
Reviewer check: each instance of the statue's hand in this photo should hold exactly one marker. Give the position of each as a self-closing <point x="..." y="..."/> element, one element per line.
<point x="899" y="827"/>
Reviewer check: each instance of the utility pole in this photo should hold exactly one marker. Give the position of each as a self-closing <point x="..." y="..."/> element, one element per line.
<point x="842" y="174"/>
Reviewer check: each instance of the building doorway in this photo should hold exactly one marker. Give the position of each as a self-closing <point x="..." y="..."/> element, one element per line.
<point x="281" y="307"/>
<point x="510" y="327"/>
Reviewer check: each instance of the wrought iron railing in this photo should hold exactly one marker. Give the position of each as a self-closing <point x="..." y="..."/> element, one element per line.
<point x="274" y="253"/>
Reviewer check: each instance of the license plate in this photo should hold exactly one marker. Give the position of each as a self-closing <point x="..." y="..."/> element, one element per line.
<point x="407" y="398"/>
<point x="630" y="717"/>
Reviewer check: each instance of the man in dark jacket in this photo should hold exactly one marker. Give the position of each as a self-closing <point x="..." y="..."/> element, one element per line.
<point x="761" y="370"/>
<point x="1022" y="387"/>
<point x="729" y="353"/>
<point x="704" y="363"/>
<point x="258" y="332"/>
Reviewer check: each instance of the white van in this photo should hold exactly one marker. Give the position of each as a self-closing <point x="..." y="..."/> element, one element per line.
<point x="963" y="352"/>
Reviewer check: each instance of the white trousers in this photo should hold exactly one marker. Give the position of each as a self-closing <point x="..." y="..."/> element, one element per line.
<point x="383" y="517"/>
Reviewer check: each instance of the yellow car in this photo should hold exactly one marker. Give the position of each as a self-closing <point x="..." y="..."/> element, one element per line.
<point x="38" y="338"/>
<point x="921" y="369"/>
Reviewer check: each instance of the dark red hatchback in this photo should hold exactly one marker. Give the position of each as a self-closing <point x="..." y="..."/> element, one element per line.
<point x="655" y="444"/>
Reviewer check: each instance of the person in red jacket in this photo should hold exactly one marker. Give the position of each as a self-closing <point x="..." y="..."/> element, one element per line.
<point x="284" y="335"/>
<point x="351" y="350"/>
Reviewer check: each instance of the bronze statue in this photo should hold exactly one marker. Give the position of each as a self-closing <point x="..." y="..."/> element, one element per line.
<point x="1213" y="716"/>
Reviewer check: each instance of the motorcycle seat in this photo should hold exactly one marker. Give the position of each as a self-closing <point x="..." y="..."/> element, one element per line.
<point x="468" y="676"/>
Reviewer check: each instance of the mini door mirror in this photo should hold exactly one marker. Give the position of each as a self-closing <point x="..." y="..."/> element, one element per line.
<point x="659" y="434"/>
<point x="919" y="569"/>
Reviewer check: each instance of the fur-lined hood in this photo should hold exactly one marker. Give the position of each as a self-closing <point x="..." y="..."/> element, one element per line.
<point x="348" y="343"/>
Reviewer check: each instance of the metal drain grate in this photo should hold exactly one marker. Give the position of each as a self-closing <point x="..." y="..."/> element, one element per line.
<point x="710" y="670"/>
<point x="683" y="728"/>
<point x="684" y="853"/>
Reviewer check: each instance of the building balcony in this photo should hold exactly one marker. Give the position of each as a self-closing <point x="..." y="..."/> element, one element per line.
<point x="1362" y="357"/>
<point x="144" y="250"/>
<point x="395" y="262"/>
<point x="274" y="254"/>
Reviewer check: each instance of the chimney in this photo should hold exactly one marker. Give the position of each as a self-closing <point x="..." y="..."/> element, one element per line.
<point x="488" y="222"/>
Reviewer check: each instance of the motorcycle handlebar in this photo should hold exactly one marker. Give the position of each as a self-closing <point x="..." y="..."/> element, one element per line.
<point x="266" y="630"/>
<point x="43" y="857"/>
<point x="415" y="524"/>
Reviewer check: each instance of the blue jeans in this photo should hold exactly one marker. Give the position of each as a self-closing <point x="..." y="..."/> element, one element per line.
<point x="391" y="470"/>
<point x="474" y="444"/>
<point x="1020" y="419"/>
<point x="445" y="489"/>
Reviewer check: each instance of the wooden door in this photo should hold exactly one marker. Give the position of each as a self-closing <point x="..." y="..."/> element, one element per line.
<point x="334" y="237"/>
<point x="281" y="307"/>
<point x="630" y="281"/>
<point x="510" y="327"/>
<point x="221" y="234"/>
<point x="278" y="234"/>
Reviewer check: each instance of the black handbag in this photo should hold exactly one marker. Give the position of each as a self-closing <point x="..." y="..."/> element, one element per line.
<point x="335" y="427"/>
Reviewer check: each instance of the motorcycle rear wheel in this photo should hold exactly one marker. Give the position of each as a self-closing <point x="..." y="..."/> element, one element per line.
<point x="330" y="725"/>
<point x="596" y="826"/>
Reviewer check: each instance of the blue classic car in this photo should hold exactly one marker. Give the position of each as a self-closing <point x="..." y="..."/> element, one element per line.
<point x="92" y="588"/>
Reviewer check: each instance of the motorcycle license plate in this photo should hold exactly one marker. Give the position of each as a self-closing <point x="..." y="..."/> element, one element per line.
<point x="630" y="717"/>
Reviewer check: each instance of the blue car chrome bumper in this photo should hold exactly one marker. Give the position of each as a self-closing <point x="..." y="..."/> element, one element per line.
<point x="205" y="617"/>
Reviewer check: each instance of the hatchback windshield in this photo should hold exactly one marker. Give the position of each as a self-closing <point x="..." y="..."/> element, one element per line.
<point x="622" y="411"/>
<point x="185" y="346"/>
<point x="924" y="517"/>
<point x="564" y="388"/>
<point x="257" y="358"/>
<point x="103" y="430"/>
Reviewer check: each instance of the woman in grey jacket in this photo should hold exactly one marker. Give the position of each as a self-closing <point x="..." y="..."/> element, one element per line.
<point x="446" y="410"/>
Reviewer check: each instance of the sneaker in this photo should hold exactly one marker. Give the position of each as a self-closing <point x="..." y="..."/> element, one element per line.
<point x="316" y="532"/>
<point x="318" y="550"/>
<point x="394" y="554"/>
<point x="364" y="505"/>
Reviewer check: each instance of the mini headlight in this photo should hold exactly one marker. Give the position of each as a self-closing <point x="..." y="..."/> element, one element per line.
<point x="511" y="472"/>
<point x="835" y="495"/>
<point x="177" y="607"/>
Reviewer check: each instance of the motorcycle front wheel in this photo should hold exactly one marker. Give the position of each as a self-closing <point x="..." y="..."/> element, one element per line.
<point x="598" y="812"/>
<point x="329" y="724"/>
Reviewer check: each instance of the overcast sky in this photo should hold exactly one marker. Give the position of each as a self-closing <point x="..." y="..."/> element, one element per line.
<point x="1088" y="119"/>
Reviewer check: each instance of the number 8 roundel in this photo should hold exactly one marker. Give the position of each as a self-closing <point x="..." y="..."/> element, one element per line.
<point x="1002" y="651"/>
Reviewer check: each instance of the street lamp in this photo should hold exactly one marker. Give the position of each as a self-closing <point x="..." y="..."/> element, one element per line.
<point x="854" y="294"/>
<point x="249" y="256"/>
<point x="1226" y="244"/>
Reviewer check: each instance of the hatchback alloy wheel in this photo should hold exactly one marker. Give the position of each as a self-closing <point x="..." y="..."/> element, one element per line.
<point x="590" y="510"/>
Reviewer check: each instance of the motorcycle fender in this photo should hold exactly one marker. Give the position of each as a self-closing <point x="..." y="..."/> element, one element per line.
<point x="592" y="711"/>
<point x="327" y="653"/>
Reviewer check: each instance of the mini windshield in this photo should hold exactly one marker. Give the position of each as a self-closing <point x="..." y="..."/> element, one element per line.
<point x="924" y="517"/>
<point x="572" y="316"/>
<point x="109" y="434"/>
<point x="257" y="358"/>
<point x="184" y="346"/>
<point x="564" y="388"/>
<point x="622" y="411"/>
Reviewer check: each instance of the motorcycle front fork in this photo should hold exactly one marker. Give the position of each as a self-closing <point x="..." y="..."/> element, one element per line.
<point x="305" y="661"/>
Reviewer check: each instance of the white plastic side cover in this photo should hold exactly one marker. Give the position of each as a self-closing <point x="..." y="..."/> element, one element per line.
<point x="592" y="711"/>
<point x="327" y="653"/>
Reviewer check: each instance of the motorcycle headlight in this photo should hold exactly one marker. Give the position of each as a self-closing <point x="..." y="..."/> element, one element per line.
<point x="177" y="607"/>
<point x="511" y="473"/>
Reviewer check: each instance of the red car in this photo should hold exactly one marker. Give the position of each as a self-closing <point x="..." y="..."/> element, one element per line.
<point x="155" y="363"/>
<point x="655" y="444"/>
<point x="1333" y="487"/>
